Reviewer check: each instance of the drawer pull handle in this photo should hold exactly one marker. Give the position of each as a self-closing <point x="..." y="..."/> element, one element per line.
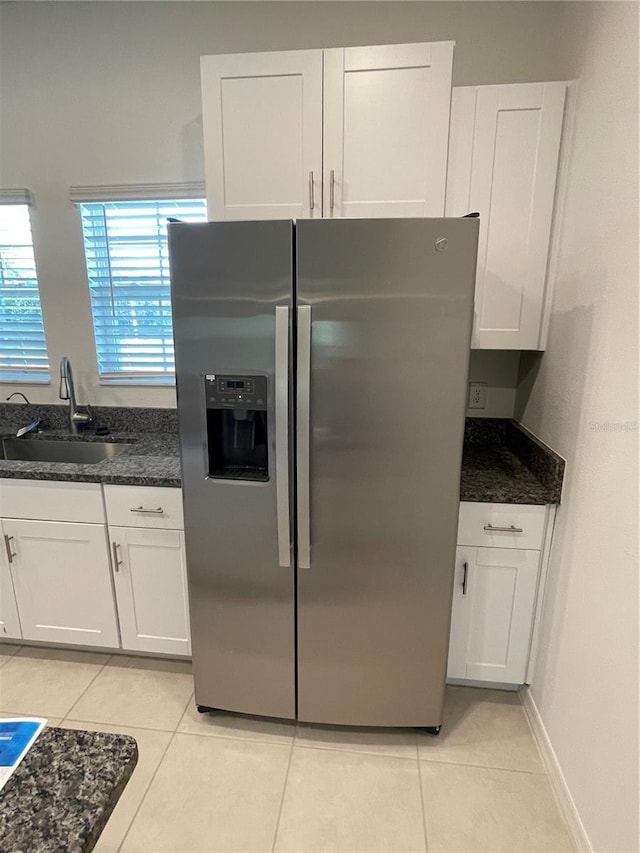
<point x="464" y="578"/>
<point x="511" y="529"/>
<point x="117" y="562"/>
<point x="7" y="544"/>
<point x="155" y="510"/>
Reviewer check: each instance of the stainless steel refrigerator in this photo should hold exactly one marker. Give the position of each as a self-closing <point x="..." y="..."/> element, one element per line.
<point x="321" y="379"/>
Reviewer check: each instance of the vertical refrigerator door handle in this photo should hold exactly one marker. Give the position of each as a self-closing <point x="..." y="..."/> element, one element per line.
<point x="282" y="435"/>
<point x="304" y="433"/>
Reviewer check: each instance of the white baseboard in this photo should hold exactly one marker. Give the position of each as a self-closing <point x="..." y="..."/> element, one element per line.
<point x="556" y="776"/>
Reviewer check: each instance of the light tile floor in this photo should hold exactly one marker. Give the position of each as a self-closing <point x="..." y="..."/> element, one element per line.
<point x="230" y="783"/>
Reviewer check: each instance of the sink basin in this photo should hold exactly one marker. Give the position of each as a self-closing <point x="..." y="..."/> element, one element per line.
<point x="85" y="453"/>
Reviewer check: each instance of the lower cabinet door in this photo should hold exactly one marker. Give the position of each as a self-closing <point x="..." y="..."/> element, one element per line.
<point x="9" y="620"/>
<point x="62" y="582"/>
<point x="492" y="615"/>
<point x="151" y="589"/>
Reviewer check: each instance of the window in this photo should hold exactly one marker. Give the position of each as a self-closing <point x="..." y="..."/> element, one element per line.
<point x="23" y="350"/>
<point x="127" y="257"/>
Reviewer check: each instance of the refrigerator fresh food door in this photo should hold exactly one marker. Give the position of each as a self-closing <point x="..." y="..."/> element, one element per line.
<point x="384" y="324"/>
<point x="232" y="285"/>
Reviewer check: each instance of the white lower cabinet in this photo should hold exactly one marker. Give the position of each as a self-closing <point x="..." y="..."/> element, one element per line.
<point x="9" y="619"/>
<point x="149" y="573"/>
<point x="494" y="602"/>
<point x="62" y="559"/>
<point x="61" y="580"/>
<point x="58" y="575"/>
<point x="500" y="572"/>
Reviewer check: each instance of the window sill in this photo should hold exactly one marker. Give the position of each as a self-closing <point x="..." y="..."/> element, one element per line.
<point x="16" y="379"/>
<point x="147" y="382"/>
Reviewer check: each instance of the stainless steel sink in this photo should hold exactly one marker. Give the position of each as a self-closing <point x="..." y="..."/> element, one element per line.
<point x="85" y="453"/>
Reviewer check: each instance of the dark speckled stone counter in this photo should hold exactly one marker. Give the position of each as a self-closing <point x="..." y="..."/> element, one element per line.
<point x="152" y="460"/>
<point x="502" y="462"/>
<point x="62" y="794"/>
<point x="496" y="475"/>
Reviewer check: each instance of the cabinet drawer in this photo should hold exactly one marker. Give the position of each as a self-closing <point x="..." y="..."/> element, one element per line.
<point x="478" y="522"/>
<point x="144" y="506"/>
<point x="42" y="500"/>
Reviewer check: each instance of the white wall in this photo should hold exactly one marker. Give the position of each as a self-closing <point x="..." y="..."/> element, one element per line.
<point x="582" y="399"/>
<point x="499" y="370"/>
<point x="109" y="93"/>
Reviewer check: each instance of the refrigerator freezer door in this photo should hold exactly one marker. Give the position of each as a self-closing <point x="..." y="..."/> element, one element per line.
<point x="391" y="309"/>
<point x="232" y="290"/>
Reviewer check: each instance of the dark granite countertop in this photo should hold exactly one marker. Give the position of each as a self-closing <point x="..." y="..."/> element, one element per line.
<point x="152" y="460"/>
<point x="502" y="462"/>
<point x="496" y="475"/>
<point x="63" y="792"/>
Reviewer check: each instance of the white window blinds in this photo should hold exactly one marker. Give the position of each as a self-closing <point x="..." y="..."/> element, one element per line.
<point x="128" y="271"/>
<point x="23" y="349"/>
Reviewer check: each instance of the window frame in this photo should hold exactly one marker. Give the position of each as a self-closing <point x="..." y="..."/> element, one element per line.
<point x="151" y="194"/>
<point x="31" y="375"/>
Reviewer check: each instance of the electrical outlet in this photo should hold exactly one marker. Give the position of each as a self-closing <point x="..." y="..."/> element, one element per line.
<point x="477" y="395"/>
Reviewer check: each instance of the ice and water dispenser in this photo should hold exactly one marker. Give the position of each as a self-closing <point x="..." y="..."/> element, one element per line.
<point x="237" y="431"/>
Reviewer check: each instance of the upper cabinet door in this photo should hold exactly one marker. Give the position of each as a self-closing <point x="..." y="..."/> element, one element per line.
<point x="386" y="129"/>
<point x="262" y="121"/>
<point x="503" y="163"/>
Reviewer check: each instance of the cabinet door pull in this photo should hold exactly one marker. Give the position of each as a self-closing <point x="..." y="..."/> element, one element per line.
<point x="7" y="544"/>
<point x="155" y="510"/>
<point x="311" y="196"/>
<point x="465" y="567"/>
<point x="332" y="184"/>
<point x="117" y="562"/>
<point x="511" y="529"/>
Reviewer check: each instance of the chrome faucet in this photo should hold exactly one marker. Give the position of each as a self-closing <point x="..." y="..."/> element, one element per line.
<point x="29" y="427"/>
<point x="67" y="392"/>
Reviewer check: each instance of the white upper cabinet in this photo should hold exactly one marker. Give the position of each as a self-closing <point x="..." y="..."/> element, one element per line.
<point x="386" y="128"/>
<point x="385" y="134"/>
<point x="262" y="122"/>
<point x="503" y="163"/>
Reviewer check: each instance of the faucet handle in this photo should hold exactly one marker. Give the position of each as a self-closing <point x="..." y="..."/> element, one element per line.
<point x="82" y="418"/>
<point x="85" y="418"/>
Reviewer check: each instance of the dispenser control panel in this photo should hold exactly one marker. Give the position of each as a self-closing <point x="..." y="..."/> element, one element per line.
<point x="235" y="392"/>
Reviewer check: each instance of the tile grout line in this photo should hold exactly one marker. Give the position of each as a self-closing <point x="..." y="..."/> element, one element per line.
<point x="69" y="719"/>
<point x="64" y="717"/>
<point x="11" y="656"/>
<point x="482" y="766"/>
<point x="356" y="751"/>
<point x="283" y="741"/>
<point x="422" y="803"/>
<point x="284" y="789"/>
<point x="146" y="790"/>
<point x="153" y="775"/>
